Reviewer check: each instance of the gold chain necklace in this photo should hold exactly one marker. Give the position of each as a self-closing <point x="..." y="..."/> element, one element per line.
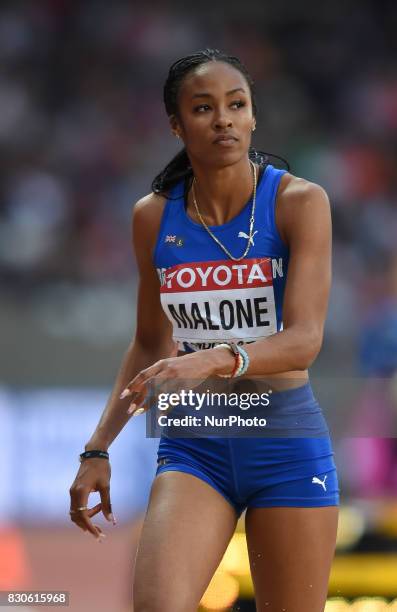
<point x="252" y="219"/>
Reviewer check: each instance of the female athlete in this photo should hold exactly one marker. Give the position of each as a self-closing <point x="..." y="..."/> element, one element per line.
<point x="232" y="251"/>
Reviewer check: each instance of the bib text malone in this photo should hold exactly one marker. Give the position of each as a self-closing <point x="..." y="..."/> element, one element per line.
<point x="208" y="298"/>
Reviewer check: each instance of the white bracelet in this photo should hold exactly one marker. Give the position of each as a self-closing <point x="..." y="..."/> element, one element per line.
<point x="242" y="360"/>
<point x="246" y="361"/>
<point x="239" y="360"/>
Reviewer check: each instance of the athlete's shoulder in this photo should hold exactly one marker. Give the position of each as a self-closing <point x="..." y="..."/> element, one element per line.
<point x="149" y="207"/>
<point x="300" y="201"/>
<point x="146" y="219"/>
<point x="294" y="189"/>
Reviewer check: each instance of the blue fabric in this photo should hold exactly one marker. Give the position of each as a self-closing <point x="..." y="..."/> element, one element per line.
<point x="378" y="341"/>
<point x="266" y="471"/>
<point x="181" y="240"/>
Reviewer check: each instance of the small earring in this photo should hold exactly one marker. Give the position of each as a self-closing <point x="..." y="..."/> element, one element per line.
<point x="253" y="128"/>
<point x="176" y="134"/>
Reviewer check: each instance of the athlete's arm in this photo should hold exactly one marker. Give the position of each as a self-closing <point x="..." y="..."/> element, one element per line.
<point x="152" y="342"/>
<point x="153" y="335"/>
<point x="305" y="225"/>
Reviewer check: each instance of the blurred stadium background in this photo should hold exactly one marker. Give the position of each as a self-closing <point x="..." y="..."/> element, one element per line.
<point x="82" y="133"/>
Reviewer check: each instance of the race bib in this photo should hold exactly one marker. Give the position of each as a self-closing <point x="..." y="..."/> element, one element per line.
<point x="213" y="301"/>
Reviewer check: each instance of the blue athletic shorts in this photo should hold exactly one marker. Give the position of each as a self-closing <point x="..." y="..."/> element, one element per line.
<point x="253" y="472"/>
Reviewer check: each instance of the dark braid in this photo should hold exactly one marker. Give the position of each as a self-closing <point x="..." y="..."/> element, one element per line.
<point x="179" y="167"/>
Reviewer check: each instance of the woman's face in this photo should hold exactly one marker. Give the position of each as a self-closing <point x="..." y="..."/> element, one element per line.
<point x="215" y="117"/>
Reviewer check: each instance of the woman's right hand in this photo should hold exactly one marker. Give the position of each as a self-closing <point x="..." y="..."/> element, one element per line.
<point x="93" y="475"/>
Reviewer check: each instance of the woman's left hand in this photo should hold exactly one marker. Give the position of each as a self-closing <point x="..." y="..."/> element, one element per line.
<point x="174" y="373"/>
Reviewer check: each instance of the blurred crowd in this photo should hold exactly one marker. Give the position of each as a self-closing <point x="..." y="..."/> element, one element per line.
<point x="83" y="132"/>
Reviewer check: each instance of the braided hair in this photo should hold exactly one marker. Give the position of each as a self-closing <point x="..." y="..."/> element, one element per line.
<point x="179" y="167"/>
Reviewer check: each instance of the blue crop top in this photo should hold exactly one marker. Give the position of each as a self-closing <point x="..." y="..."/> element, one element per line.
<point x="208" y="297"/>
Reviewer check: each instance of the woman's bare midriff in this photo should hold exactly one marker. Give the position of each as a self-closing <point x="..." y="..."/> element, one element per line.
<point x="277" y="382"/>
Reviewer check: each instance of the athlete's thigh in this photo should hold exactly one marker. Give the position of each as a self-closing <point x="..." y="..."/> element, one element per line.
<point x="290" y="552"/>
<point x="187" y="528"/>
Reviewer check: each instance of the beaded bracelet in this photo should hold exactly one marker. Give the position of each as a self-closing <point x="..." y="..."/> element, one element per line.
<point x="241" y="360"/>
<point x="238" y="363"/>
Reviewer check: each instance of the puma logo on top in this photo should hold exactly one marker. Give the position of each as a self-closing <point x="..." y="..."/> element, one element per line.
<point x="244" y="235"/>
